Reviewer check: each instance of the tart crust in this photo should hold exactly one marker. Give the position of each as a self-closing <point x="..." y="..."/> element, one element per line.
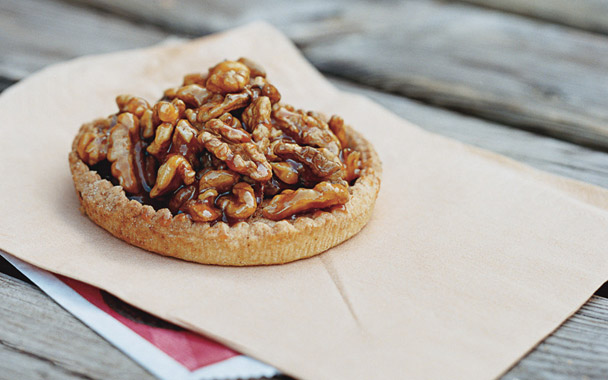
<point x="257" y="241"/>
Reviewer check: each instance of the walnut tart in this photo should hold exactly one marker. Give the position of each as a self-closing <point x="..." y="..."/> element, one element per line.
<point x="220" y="171"/>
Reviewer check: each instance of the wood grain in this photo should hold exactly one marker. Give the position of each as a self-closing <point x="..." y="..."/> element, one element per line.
<point x="577" y="350"/>
<point x="36" y="33"/>
<point x="31" y="320"/>
<point x="544" y="153"/>
<point x="588" y="14"/>
<point x="501" y="67"/>
<point x="21" y="21"/>
<point x="40" y="340"/>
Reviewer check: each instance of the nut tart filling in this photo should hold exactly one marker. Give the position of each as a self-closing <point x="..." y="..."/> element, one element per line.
<point x="221" y="152"/>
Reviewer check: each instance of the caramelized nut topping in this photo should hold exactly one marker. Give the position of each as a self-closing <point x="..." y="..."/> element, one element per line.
<point x="322" y="163"/>
<point x="291" y="202"/>
<point x="222" y="147"/>
<point x="220" y="180"/>
<point x="166" y="112"/>
<point x="146" y="124"/>
<point x="352" y="162"/>
<point x="255" y="69"/>
<point x="305" y="129"/>
<point x="162" y="140"/>
<point x="241" y="204"/>
<point x="259" y="86"/>
<point x="203" y="208"/>
<point x="181" y="196"/>
<point x="242" y="158"/>
<point x="93" y="145"/>
<point x="184" y="142"/>
<point x="132" y="104"/>
<point x="120" y="154"/>
<point x="258" y="114"/>
<point x="174" y="172"/>
<point x="218" y="106"/>
<point x="193" y="95"/>
<point x="228" y="76"/>
<point x="196" y="78"/>
<point x="231" y="133"/>
<point x="286" y="172"/>
<point x="336" y="124"/>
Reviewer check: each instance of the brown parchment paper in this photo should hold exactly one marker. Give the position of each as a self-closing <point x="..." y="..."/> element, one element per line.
<point x="469" y="260"/>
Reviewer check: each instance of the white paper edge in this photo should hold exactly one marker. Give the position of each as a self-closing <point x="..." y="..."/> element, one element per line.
<point x="131" y="344"/>
<point x="237" y="367"/>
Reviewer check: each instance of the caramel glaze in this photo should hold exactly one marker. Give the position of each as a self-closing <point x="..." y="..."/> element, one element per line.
<point x="299" y="167"/>
<point x="263" y="190"/>
<point x="146" y="165"/>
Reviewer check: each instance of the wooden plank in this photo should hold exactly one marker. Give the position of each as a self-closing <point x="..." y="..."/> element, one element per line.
<point x="500" y="67"/>
<point x="589" y="15"/>
<point x="544" y="153"/>
<point x="40" y="340"/>
<point x="577" y="350"/>
<point x="303" y="21"/>
<point x="35" y="33"/>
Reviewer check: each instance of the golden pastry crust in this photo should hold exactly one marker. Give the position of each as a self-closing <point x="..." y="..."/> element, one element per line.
<point x="258" y="241"/>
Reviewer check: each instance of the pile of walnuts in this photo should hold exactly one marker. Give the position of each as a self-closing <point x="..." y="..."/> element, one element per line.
<point x="223" y="147"/>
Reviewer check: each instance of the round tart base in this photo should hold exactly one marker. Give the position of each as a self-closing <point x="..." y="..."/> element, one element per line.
<point x="254" y="242"/>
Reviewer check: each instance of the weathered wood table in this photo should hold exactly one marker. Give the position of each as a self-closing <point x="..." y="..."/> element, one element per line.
<point x="527" y="79"/>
